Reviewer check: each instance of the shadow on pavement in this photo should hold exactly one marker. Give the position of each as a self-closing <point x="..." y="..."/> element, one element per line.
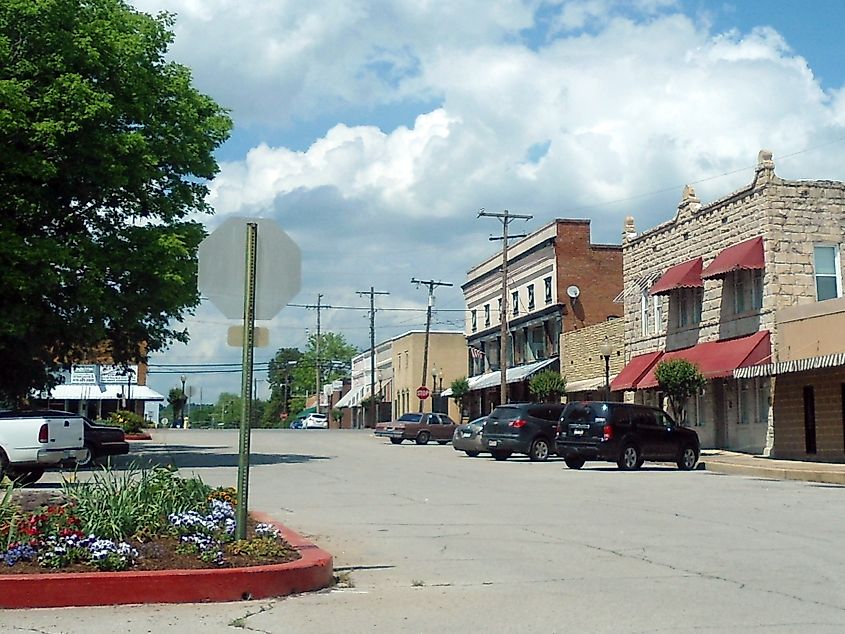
<point x="185" y="456"/>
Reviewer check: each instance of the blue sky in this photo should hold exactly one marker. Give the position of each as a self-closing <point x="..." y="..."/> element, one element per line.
<point x="374" y="131"/>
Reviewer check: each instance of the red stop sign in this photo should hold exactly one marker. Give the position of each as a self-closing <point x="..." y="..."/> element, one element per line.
<point x="423" y="392"/>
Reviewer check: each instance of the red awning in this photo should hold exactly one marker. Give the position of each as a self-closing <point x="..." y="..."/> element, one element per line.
<point x="745" y="255"/>
<point x="634" y="371"/>
<point x="684" y="275"/>
<point x="717" y="359"/>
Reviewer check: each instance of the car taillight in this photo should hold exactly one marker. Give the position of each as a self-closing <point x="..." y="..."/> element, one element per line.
<point x="519" y="422"/>
<point x="607" y="432"/>
<point x="42" y="433"/>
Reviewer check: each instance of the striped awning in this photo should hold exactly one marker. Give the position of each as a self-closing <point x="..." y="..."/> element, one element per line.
<point x="788" y="367"/>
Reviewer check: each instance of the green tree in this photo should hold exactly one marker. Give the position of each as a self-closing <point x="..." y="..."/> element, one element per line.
<point x="335" y="361"/>
<point x="679" y="379"/>
<point x="177" y="399"/>
<point x="460" y="390"/>
<point x="105" y="149"/>
<point x="548" y="386"/>
<point x="279" y="377"/>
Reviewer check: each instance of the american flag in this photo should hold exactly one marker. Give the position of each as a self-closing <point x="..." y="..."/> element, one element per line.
<point x="476" y="353"/>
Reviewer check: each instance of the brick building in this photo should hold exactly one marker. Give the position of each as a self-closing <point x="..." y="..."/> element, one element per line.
<point x="558" y="281"/>
<point x="708" y="286"/>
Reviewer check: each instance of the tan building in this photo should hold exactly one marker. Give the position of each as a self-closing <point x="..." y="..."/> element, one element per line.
<point x="398" y="372"/>
<point x="559" y="281"/>
<point x="590" y="358"/>
<point x="708" y="285"/>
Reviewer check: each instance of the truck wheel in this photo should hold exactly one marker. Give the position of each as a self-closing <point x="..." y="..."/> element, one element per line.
<point x="539" y="451"/>
<point x="22" y="478"/>
<point x="396" y="441"/>
<point x="574" y="462"/>
<point x="423" y="437"/>
<point x="88" y="458"/>
<point x="501" y="455"/>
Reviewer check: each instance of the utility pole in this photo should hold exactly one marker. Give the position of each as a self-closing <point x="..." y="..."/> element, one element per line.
<point x="505" y="218"/>
<point x="431" y="284"/>
<point x="319" y="369"/>
<point x="372" y="293"/>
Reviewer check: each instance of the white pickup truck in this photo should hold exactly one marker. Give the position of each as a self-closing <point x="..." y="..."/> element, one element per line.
<point x="31" y="441"/>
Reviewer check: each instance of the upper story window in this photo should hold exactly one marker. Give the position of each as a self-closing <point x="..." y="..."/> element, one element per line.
<point x="530" y="297"/>
<point x="651" y="313"/>
<point x="826" y="271"/>
<point x="474" y="321"/>
<point x="747" y="290"/>
<point x="515" y="302"/>
<point x="486" y="314"/>
<point x="547" y="283"/>
<point x="499" y="304"/>
<point x="689" y="306"/>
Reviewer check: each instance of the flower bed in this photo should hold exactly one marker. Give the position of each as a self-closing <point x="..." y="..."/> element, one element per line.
<point x="133" y="520"/>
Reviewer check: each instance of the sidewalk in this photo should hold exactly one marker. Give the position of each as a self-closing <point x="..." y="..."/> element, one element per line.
<point x="730" y="462"/>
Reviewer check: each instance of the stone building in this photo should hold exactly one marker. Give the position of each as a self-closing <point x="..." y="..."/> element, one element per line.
<point x="558" y="281"/>
<point x="708" y="286"/>
<point x="590" y="358"/>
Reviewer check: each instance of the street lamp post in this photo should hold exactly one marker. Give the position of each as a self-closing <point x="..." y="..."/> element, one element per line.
<point x="183" y="400"/>
<point x="605" y="351"/>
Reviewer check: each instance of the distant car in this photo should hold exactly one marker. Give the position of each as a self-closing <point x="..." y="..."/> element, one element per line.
<point x="419" y="427"/>
<point x="315" y="421"/>
<point x="102" y="441"/>
<point x="527" y="428"/>
<point x="624" y="433"/>
<point x="467" y="437"/>
<point x="297" y="424"/>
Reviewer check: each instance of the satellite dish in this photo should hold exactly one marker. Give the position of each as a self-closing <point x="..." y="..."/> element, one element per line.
<point x="573" y="292"/>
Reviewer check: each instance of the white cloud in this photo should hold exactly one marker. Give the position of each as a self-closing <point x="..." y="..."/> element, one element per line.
<point x="627" y="108"/>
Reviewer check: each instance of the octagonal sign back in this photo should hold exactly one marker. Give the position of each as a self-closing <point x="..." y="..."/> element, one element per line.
<point x="222" y="264"/>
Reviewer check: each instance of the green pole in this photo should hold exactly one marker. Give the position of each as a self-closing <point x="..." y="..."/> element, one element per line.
<point x="246" y="379"/>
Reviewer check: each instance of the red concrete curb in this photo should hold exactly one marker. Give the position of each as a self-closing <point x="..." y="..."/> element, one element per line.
<point x="313" y="571"/>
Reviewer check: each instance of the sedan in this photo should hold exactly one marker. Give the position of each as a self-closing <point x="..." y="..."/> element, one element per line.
<point x="467" y="437"/>
<point x="102" y="441"/>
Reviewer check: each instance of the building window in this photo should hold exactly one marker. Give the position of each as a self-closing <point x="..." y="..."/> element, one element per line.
<point x="826" y="270"/>
<point x="689" y="306"/>
<point x="746" y="402"/>
<point x="740" y="289"/>
<point x="657" y="309"/>
<point x="474" y="321"/>
<point x="695" y="411"/>
<point x="747" y="290"/>
<point x="757" y="289"/>
<point x="515" y="302"/>
<point x="547" y="283"/>
<point x="530" y="297"/>
<point x="644" y="312"/>
<point x="754" y="404"/>
<point x="499" y="305"/>
<point x="486" y="314"/>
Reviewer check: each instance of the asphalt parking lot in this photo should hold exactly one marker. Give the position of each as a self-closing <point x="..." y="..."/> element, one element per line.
<point x="426" y="539"/>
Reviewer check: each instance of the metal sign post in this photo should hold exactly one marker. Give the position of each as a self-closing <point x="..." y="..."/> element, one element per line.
<point x="246" y="379"/>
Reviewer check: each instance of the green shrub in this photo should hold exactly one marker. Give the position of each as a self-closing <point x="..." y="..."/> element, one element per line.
<point x="130" y="422"/>
<point x="117" y="505"/>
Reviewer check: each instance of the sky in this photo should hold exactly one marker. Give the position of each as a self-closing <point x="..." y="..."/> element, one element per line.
<point x="373" y="132"/>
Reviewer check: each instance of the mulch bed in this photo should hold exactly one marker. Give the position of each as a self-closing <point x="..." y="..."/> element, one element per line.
<point x="158" y="554"/>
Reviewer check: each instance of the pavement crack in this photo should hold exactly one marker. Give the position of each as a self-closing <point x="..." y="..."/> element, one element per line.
<point x="241" y="621"/>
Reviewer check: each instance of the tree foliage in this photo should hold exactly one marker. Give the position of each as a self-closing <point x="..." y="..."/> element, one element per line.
<point x="105" y="148"/>
<point x="281" y="386"/>
<point x="460" y="390"/>
<point x="548" y="386"/>
<point x="679" y="380"/>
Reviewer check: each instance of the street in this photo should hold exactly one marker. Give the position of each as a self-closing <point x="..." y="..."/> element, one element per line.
<point x="426" y="539"/>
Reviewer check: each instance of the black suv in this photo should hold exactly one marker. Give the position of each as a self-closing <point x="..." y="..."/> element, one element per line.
<point x="527" y="428"/>
<point x="624" y="433"/>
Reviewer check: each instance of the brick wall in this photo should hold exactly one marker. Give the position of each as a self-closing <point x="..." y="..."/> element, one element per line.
<point x="596" y="269"/>
<point x="788" y="406"/>
<point x="580" y="357"/>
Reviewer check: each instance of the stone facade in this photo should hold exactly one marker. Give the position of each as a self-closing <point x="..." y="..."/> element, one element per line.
<point x="792" y="217"/>
<point x="581" y="361"/>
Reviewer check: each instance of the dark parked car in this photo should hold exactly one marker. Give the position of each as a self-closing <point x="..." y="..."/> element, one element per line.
<point x="467" y="437"/>
<point x="624" y="433"/>
<point x="527" y="428"/>
<point x="102" y="441"/>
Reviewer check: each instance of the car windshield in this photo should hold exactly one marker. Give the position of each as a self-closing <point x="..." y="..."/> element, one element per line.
<point x="581" y="412"/>
<point x="478" y="421"/>
<point x="410" y="418"/>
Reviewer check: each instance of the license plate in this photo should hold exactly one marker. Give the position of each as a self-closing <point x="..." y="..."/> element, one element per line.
<point x="577" y="432"/>
<point x="493" y="443"/>
<point x="466" y="434"/>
